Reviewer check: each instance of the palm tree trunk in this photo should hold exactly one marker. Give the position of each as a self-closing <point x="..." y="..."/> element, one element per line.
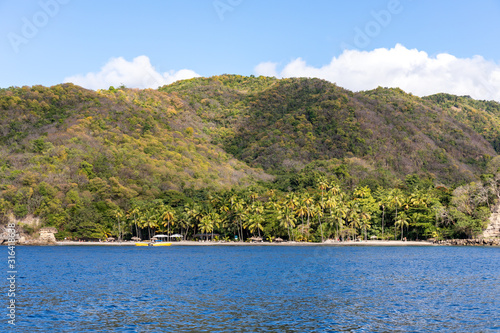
<point x="302" y="224"/>
<point x="136" y="228"/>
<point x="338" y="230"/>
<point x="321" y="226"/>
<point x="308" y="223"/>
<point x="383" y="215"/>
<point x="241" y="226"/>
<point x="395" y="229"/>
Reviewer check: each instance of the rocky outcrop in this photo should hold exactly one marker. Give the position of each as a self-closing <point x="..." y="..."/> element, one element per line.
<point x="47" y="235"/>
<point x="493" y="229"/>
<point x="469" y="242"/>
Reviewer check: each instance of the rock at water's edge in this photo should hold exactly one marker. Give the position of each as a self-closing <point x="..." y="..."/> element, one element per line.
<point x="493" y="229"/>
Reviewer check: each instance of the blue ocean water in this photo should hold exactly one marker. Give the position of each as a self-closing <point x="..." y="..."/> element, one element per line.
<point x="257" y="289"/>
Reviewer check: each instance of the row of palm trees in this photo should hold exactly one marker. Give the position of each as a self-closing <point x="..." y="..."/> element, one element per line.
<point x="314" y="215"/>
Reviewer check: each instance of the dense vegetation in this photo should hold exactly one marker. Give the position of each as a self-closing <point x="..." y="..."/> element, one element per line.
<point x="482" y="116"/>
<point x="240" y="156"/>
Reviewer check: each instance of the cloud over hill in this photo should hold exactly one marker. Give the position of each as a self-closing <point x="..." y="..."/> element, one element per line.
<point x="409" y="69"/>
<point x="138" y="73"/>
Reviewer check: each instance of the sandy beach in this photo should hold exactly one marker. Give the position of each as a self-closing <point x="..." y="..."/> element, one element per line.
<point x="208" y="243"/>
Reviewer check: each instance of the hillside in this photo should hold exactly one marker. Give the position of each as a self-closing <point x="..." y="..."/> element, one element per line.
<point x="82" y="160"/>
<point x="64" y="148"/>
<point x="282" y="125"/>
<point x="141" y="135"/>
<point x="482" y="116"/>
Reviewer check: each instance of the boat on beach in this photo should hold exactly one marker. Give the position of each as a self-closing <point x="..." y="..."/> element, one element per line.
<point x="162" y="244"/>
<point x="153" y="244"/>
<point x="158" y="240"/>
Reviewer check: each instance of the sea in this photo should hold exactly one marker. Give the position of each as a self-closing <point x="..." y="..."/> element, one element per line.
<point x="255" y="289"/>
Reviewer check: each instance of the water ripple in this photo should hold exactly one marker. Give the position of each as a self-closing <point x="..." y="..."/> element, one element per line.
<point x="259" y="289"/>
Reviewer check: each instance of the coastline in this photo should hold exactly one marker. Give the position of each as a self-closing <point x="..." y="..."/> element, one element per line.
<point x="208" y="243"/>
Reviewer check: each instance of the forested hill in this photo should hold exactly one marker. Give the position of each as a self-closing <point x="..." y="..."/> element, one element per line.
<point x="72" y="156"/>
<point x="282" y="125"/>
<point x="482" y="116"/>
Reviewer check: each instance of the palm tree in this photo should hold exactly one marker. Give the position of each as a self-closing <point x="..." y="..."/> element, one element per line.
<point x="362" y="192"/>
<point x="291" y="200"/>
<point x="254" y="196"/>
<point x="194" y="213"/>
<point x="102" y="232"/>
<point x="308" y="201"/>
<point x="365" y="221"/>
<point x="232" y="200"/>
<point x="334" y="189"/>
<point x="254" y="222"/>
<point x="149" y="220"/>
<point x="354" y="217"/>
<point x="167" y="215"/>
<point x="322" y="185"/>
<point x="206" y="225"/>
<point x="415" y="219"/>
<point x="338" y="212"/>
<point x="383" y="199"/>
<point x="133" y="213"/>
<point x="225" y="209"/>
<point x="224" y="206"/>
<point x="301" y="212"/>
<point x="216" y="220"/>
<point x="331" y="203"/>
<point x="395" y="200"/>
<point x="287" y="218"/>
<point x="118" y="214"/>
<point x="418" y="199"/>
<point x="402" y="221"/>
<point x="318" y="211"/>
<point x="184" y="221"/>
<point x="366" y="204"/>
<point x="258" y="211"/>
<point x="272" y="214"/>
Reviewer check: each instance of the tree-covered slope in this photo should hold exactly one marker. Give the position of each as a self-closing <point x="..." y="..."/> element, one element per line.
<point x="482" y="116"/>
<point x="109" y="145"/>
<point x="282" y="125"/>
<point x="81" y="160"/>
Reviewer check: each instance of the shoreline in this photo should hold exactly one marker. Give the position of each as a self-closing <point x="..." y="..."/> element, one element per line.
<point x="208" y="243"/>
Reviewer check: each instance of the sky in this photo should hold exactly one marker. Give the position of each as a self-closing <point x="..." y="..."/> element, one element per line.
<point x="421" y="46"/>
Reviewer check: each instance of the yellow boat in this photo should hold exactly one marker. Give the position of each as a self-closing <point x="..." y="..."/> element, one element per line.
<point x="153" y="244"/>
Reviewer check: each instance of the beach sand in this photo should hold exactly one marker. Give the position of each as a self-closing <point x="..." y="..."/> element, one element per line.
<point x="208" y="243"/>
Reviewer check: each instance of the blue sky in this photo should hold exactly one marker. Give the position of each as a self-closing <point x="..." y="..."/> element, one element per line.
<point x="419" y="45"/>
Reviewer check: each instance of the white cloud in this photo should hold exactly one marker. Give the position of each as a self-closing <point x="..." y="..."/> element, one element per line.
<point x="266" y="69"/>
<point x="139" y="73"/>
<point x="411" y="70"/>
